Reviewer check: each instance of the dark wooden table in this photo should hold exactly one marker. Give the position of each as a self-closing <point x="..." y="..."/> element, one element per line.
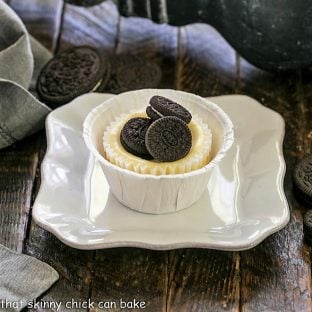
<point x="274" y="276"/>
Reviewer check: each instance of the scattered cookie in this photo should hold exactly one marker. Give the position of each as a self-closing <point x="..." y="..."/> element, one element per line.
<point x="168" y="139"/>
<point x="302" y="178"/>
<point x="69" y="74"/>
<point x="162" y="106"/>
<point x="132" y="136"/>
<point x="130" y="72"/>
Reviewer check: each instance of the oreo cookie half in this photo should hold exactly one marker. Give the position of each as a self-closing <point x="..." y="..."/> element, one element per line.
<point x="132" y="136"/>
<point x="69" y="74"/>
<point x="152" y="113"/>
<point x="302" y="178"/>
<point x="129" y="72"/>
<point x="168" y="139"/>
<point x="166" y="107"/>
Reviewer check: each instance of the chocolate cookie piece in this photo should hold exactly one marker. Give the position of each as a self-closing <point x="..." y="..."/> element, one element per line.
<point x="152" y="114"/>
<point x="302" y="178"/>
<point x="168" y="139"/>
<point x="132" y="136"/>
<point x="130" y="72"/>
<point x="69" y="74"/>
<point x="166" y="107"/>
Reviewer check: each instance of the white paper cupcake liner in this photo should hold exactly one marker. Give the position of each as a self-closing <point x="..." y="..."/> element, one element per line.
<point x="163" y="193"/>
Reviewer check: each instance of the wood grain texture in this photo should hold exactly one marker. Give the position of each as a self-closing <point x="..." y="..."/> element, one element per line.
<point x="204" y="280"/>
<point x="96" y="26"/>
<point x="131" y="273"/>
<point x="306" y="108"/>
<point x="137" y="273"/>
<point x="158" y="43"/>
<point x="207" y="64"/>
<point x="276" y="275"/>
<point x="42" y="19"/>
<point x="74" y="266"/>
<point x="18" y="166"/>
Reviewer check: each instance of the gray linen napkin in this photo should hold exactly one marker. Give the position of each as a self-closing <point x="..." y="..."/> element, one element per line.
<point x="22" y="279"/>
<point x="21" y="58"/>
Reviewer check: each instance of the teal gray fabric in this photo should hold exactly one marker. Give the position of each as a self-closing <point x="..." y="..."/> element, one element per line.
<point x="22" y="279"/>
<point x="21" y="58"/>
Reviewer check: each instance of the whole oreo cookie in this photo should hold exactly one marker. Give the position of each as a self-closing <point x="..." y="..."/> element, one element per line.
<point x="168" y="139"/>
<point x="303" y="180"/>
<point x="130" y="72"/>
<point x="132" y="136"/>
<point x="165" y="107"/>
<point x="69" y="74"/>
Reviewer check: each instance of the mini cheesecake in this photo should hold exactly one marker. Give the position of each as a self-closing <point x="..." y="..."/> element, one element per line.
<point x="198" y="156"/>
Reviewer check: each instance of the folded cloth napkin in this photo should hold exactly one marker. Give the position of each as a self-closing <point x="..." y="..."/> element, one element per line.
<point x="21" y="58"/>
<point x="22" y="279"/>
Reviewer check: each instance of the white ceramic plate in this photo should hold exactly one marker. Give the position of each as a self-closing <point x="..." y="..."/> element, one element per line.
<point x="243" y="204"/>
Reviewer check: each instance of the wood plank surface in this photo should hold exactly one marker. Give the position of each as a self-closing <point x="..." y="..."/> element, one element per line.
<point x="18" y="166"/>
<point x="276" y="275"/>
<point x="306" y="108"/>
<point x="137" y="273"/>
<point x="75" y="267"/>
<point x="130" y="274"/>
<point x="204" y="280"/>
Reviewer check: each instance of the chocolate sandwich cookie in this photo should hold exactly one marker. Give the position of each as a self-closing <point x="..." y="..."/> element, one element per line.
<point x="168" y="139"/>
<point x="132" y="136"/>
<point x="69" y="74"/>
<point x="302" y="178"/>
<point x="161" y="106"/>
<point x="130" y="72"/>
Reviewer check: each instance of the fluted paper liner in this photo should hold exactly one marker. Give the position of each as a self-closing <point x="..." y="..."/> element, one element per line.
<point x="162" y="193"/>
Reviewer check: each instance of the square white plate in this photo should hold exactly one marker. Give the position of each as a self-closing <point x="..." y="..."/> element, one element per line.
<point x="243" y="204"/>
